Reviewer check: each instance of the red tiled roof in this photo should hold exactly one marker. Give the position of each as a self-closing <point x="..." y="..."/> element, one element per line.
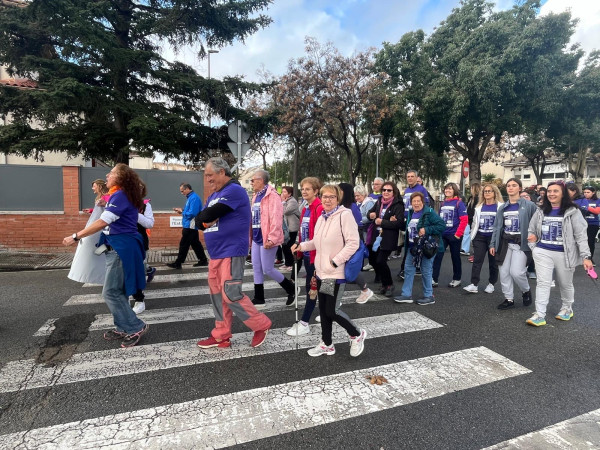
<point x="20" y="3"/>
<point x="20" y="83"/>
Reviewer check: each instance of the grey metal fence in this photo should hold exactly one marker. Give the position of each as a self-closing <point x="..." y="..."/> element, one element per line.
<point x="31" y="188"/>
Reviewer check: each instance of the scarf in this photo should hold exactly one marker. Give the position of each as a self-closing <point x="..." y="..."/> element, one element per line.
<point x="328" y="215"/>
<point x="113" y="189"/>
<point x="385" y="204"/>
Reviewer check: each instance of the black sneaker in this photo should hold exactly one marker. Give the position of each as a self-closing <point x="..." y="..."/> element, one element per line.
<point x="527" y="298"/>
<point x="113" y="335"/>
<point x="174" y="265"/>
<point x="201" y="264"/>
<point x="132" y="339"/>
<point x="150" y="274"/>
<point x="506" y="304"/>
<point x="400" y="275"/>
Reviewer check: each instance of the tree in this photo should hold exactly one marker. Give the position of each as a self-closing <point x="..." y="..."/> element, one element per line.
<point x="538" y="150"/>
<point x="482" y="73"/>
<point x="341" y="98"/>
<point x="104" y="88"/>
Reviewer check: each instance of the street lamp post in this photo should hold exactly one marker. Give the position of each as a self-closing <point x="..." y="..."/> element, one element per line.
<point x="378" y="137"/>
<point x="210" y="50"/>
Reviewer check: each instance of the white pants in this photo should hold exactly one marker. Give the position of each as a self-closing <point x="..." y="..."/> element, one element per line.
<point x="514" y="268"/>
<point x="545" y="261"/>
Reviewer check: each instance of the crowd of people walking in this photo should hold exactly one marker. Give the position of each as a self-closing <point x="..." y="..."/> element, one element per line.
<point x="544" y="234"/>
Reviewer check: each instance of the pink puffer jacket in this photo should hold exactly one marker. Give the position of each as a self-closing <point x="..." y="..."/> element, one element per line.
<point x="271" y="217"/>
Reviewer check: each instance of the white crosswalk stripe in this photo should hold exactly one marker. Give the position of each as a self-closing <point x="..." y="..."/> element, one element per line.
<point x="184" y="313"/>
<point x="88" y="299"/>
<point x="177" y="277"/>
<point x="26" y="374"/>
<point x="246" y="416"/>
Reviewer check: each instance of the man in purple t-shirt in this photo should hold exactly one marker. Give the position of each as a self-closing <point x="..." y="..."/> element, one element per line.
<point x="226" y="222"/>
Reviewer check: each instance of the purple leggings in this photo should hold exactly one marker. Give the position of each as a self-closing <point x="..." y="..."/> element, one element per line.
<point x="263" y="261"/>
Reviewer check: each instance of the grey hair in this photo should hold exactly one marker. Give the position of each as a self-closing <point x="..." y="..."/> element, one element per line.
<point x="186" y="186"/>
<point x="379" y="179"/>
<point x="413" y="171"/>
<point x="219" y="163"/>
<point x="263" y="174"/>
<point x="360" y="190"/>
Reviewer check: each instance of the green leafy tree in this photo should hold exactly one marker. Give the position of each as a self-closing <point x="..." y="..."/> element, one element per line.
<point x="103" y="87"/>
<point x="482" y="73"/>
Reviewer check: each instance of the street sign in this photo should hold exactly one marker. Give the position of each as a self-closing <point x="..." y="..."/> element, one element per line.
<point x="232" y="131"/>
<point x="465" y="168"/>
<point x="233" y="146"/>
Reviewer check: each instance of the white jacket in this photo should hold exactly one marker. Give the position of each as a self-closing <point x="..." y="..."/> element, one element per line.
<point x="475" y="223"/>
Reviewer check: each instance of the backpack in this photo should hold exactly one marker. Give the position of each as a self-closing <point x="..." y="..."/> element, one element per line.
<point x="355" y="264"/>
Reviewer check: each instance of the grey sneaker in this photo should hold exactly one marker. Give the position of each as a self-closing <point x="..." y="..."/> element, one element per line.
<point x="357" y="343"/>
<point x="132" y="339"/>
<point x="425" y="301"/>
<point x="454" y="283"/>
<point x="322" y="349"/>
<point x="403" y="299"/>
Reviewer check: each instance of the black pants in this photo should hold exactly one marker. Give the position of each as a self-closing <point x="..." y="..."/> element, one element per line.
<point x="381" y="267"/>
<point x="481" y="245"/>
<point x="287" y="253"/>
<point x="189" y="238"/>
<point x="592" y="231"/>
<point x="454" y="244"/>
<point x="329" y="308"/>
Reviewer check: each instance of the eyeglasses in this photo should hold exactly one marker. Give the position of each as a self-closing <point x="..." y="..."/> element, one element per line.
<point x="387" y="190"/>
<point x="329" y="197"/>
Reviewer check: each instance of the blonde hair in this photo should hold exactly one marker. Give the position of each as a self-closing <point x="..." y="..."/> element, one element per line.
<point x="102" y="188"/>
<point x="314" y="183"/>
<point x="332" y="188"/>
<point x="497" y="194"/>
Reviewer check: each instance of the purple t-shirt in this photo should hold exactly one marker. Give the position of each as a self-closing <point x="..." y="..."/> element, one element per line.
<point x="511" y="219"/>
<point x="408" y="192"/>
<point x="411" y="227"/>
<point x="487" y="217"/>
<point x="256" y="230"/>
<point x="228" y="237"/>
<point x="304" y="225"/>
<point x="119" y="205"/>
<point x="552" y="232"/>
<point x="451" y="211"/>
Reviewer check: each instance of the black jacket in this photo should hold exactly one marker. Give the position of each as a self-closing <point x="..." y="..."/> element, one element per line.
<point x="390" y="228"/>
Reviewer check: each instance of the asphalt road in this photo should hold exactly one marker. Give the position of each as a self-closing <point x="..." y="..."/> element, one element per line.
<point x="471" y="377"/>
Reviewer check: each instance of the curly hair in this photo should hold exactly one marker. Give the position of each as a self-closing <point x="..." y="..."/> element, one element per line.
<point x="131" y="184"/>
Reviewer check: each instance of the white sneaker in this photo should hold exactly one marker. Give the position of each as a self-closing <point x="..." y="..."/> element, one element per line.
<point x="472" y="288"/>
<point x="139" y="307"/>
<point x="364" y="296"/>
<point x="318" y="319"/>
<point x="322" y="349"/>
<point x="367" y="268"/>
<point x="298" y="329"/>
<point x="553" y="284"/>
<point x="489" y="289"/>
<point x="454" y="283"/>
<point x="357" y="344"/>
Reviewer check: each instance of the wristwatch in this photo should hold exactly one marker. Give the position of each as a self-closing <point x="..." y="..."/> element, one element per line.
<point x="75" y="238"/>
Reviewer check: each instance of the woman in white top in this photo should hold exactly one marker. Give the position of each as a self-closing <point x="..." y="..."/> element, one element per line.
<point x="481" y="236"/>
<point x="87" y="267"/>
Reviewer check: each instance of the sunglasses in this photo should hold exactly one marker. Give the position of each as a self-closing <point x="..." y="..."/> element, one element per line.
<point x="387" y="190"/>
<point x="488" y="192"/>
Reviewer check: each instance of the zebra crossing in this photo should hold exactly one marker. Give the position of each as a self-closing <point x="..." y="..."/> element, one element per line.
<point x="262" y="411"/>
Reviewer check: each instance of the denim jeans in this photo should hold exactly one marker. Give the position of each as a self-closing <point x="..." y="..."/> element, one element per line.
<point x="426" y="276"/>
<point x="115" y="297"/>
<point x="466" y="240"/>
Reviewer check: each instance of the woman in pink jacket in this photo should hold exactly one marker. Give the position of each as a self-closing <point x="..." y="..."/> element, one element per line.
<point x="266" y="234"/>
<point x="335" y="241"/>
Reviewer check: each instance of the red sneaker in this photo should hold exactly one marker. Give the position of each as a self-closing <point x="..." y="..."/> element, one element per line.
<point x="259" y="337"/>
<point x="212" y="342"/>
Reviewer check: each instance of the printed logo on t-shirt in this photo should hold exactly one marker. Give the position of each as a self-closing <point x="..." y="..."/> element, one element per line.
<point x="412" y="229"/>
<point x="256" y="215"/>
<point x="383" y="210"/>
<point x="447" y="213"/>
<point x="304" y="227"/>
<point x="486" y="221"/>
<point x="511" y="222"/>
<point x="552" y="231"/>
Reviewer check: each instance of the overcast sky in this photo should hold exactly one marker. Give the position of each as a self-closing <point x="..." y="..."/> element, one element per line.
<point x="354" y="25"/>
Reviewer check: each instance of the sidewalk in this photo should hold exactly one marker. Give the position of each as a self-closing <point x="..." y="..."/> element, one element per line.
<point x="15" y="261"/>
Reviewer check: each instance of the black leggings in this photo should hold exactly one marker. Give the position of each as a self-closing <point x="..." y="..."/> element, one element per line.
<point x="592" y="231"/>
<point x="329" y="308"/>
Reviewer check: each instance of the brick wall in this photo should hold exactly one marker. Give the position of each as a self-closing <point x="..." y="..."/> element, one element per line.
<point x="45" y="232"/>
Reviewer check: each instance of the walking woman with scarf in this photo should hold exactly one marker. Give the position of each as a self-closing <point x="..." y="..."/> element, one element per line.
<point x="125" y="273"/>
<point x="387" y="218"/>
